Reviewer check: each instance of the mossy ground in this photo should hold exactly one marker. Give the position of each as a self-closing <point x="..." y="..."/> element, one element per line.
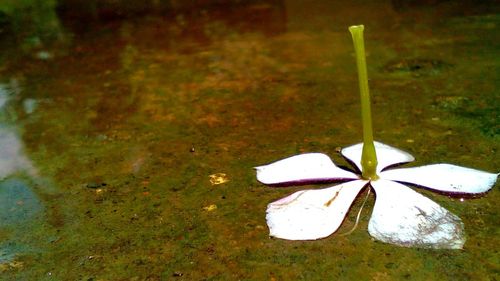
<point x="133" y="116"/>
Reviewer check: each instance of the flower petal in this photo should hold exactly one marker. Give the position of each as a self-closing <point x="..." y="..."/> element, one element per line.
<point x="404" y="217"/>
<point x="311" y="214"/>
<point x="303" y="168"/>
<point x="444" y="177"/>
<point x="386" y="155"/>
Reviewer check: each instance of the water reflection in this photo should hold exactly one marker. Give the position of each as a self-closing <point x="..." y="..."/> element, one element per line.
<point x="18" y="203"/>
<point x="267" y="16"/>
<point x="12" y="156"/>
<point x="20" y="207"/>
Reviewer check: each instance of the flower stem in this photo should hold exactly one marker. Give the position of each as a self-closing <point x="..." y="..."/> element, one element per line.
<point x="368" y="157"/>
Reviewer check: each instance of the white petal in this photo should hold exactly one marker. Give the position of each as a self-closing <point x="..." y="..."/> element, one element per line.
<point x="311" y="214"/>
<point x="386" y="155"/>
<point x="406" y="218"/>
<point x="444" y="177"/>
<point x="307" y="167"/>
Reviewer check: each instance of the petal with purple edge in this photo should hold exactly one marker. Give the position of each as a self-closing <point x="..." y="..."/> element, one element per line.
<point x="312" y="214"/>
<point x="406" y="218"/>
<point x="386" y="155"/>
<point x="444" y="177"/>
<point x="303" y="168"/>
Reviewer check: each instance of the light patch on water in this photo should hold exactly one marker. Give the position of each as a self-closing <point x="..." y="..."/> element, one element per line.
<point x="18" y="203"/>
<point x="3" y="95"/>
<point x="8" y="90"/>
<point x="8" y="253"/>
<point x="29" y="105"/>
<point x="12" y="157"/>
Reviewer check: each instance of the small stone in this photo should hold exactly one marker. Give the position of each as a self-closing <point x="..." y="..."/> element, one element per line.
<point x="218" y="178"/>
<point x="96" y="185"/>
<point x="210" y="208"/>
<point x="390" y="265"/>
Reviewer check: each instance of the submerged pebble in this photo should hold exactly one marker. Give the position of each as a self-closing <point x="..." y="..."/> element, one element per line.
<point x="218" y="178"/>
<point x="96" y="185"/>
<point x="417" y="66"/>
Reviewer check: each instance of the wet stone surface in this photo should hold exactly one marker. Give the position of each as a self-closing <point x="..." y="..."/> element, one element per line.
<point x="129" y="141"/>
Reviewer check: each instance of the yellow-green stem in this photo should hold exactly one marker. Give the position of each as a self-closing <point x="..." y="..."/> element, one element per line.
<point x="369" y="156"/>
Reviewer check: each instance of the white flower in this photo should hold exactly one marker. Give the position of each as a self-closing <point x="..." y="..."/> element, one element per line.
<point x="400" y="216"/>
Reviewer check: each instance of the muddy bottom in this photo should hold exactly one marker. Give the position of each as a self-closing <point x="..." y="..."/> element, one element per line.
<point x="127" y="146"/>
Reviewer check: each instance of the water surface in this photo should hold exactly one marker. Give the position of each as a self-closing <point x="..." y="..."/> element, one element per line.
<point x="111" y="134"/>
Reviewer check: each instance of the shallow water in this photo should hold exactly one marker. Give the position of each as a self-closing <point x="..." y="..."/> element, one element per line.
<point x="112" y="134"/>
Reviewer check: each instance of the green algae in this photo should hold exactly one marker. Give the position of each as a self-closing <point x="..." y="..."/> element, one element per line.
<point x="153" y="116"/>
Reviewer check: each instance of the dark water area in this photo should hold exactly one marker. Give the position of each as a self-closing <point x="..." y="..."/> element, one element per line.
<point x="129" y="133"/>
